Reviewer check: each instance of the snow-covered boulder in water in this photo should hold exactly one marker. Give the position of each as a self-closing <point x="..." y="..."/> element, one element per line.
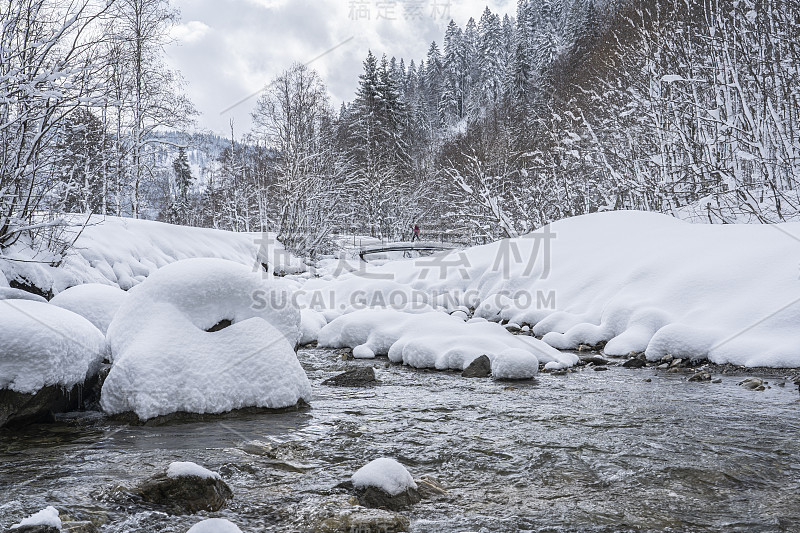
<point x="166" y="360"/>
<point x="95" y="302"/>
<point x="41" y="345"/>
<point x="45" y="352"/>
<point x="45" y="520"/>
<point x="385" y="483"/>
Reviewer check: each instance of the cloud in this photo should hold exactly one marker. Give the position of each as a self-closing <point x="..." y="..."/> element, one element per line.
<point x="230" y="49"/>
<point x="189" y="32"/>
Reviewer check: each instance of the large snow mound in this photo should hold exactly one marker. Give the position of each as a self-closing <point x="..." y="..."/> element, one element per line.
<point x="46" y="517"/>
<point x="386" y="474"/>
<point x="42" y="345"/>
<point x="95" y="302"/>
<point x="165" y="361"/>
<point x="124" y="251"/>
<point x="643" y="282"/>
<point x="430" y="339"/>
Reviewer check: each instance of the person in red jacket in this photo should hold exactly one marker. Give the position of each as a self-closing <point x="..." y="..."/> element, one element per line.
<point x="415" y="235"/>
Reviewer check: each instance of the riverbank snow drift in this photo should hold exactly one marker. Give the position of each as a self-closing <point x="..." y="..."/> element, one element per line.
<point x="643" y="282"/>
<point x="123" y="252"/>
<point x="433" y="340"/>
<point x="42" y="345"/>
<point x="385" y="474"/>
<point x="165" y="360"/>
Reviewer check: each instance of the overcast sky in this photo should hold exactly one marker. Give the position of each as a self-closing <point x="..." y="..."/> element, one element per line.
<point x="229" y="49"/>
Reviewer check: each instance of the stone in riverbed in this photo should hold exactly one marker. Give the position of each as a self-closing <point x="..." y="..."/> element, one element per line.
<point x="359" y="377"/>
<point x="185" y="492"/>
<point x="600" y="368"/>
<point x="593" y="360"/>
<point x="480" y="367"/>
<point x="701" y="376"/>
<point x="376" y="498"/>
<point x="633" y="363"/>
<point x="429" y="488"/>
<point x="753" y="384"/>
<point x="18" y="409"/>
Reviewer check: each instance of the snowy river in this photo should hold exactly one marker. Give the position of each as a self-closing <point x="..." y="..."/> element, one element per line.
<point x="588" y="451"/>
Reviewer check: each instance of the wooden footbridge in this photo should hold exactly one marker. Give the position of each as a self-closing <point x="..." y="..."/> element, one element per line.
<point x="404" y="246"/>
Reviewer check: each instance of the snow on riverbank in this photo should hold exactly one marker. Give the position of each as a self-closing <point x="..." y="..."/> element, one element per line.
<point x="123" y="252"/>
<point x="641" y="281"/>
<point x="433" y="340"/>
<point x="166" y="360"/>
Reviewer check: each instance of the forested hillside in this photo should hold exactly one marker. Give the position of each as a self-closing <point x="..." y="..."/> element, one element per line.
<point x="512" y="121"/>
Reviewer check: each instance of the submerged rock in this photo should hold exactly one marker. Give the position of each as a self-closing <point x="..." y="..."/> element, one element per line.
<point x="358" y="377"/>
<point x="701" y="376"/>
<point x="363" y="521"/>
<point x="480" y="367"/>
<point x="185" y="490"/>
<point x="40" y="528"/>
<point x="756" y="384"/>
<point x="429" y="488"/>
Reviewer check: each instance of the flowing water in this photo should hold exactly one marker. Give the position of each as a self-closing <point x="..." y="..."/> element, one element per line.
<point x="588" y="451"/>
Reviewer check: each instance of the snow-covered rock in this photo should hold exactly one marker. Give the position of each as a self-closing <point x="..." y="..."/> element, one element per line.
<point x="187" y="468"/>
<point x="42" y="345"/>
<point x="386" y="484"/>
<point x="515" y="364"/>
<point x="46" y="517"/>
<point x="386" y="474"/>
<point x="185" y="488"/>
<point x="95" y="302"/>
<point x="429" y="340"/>
<point x="165" y="360"/>
<point x="215" y="525"/>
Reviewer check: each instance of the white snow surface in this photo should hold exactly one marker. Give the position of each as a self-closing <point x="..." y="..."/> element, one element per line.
<point x="7" y="293"/>
<point x="215" y="525"/>
<point x="641" y="281"/>
<point x="386" y="474"/>
<point x="46" y="517"/>
<point x="516" y="364"/>
<point x="187" y="468"/>
<point x="124" y="251"/>
<point x="95" y="302"/>
<point x="42" y="345"/>
<point x="430" y="339"/>
<point x="165" y="361"/>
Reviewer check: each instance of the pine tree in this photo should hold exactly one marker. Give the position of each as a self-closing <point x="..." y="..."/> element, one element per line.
<point x="183" y="183"/>
<point x="489" y="51"/>
<point x="451" y="106"/>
